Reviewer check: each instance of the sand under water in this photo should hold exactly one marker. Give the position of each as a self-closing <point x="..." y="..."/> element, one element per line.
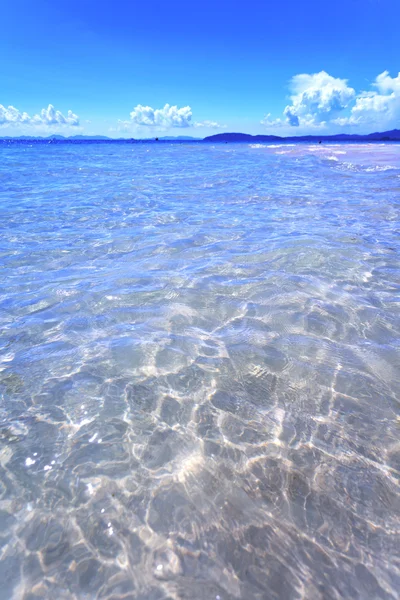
<point x="199" y="371"/>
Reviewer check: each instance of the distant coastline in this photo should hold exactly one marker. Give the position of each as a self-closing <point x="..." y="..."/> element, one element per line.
<point x="385" y="136"/>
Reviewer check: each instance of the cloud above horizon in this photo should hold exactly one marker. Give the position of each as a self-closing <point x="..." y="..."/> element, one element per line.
<point x="381" y="105"/>
<point x="167" y="117"/>
<point x="209" y="124"/>
<point x="47" y="117"/>
<point x="319" y="99"/>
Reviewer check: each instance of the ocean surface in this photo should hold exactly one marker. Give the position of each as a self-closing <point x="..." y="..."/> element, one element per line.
<point x="199" y="371"/>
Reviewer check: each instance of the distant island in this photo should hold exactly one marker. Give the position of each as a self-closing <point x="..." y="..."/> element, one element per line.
<point x="385" y="136"/>
<point x="98" y="138"/>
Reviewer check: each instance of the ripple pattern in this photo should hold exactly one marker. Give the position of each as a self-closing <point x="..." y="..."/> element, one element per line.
<point x="199" y="372"/>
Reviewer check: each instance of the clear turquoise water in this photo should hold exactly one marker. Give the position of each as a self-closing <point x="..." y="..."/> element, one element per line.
<point x="199" y="371"/>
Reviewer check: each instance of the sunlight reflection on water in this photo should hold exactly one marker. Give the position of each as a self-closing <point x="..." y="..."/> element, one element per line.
<point x="199" y="371"/>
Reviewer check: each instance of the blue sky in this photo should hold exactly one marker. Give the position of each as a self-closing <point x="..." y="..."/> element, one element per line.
<point x="140" y="69"/>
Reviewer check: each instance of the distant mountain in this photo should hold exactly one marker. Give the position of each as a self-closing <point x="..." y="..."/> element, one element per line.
<point x="240" y="137"/>
<point x="100" y="138"/>
<point x="23" y="138"/>
<point x="58" y="137"/>
<point x="79" y="139"/>
<point x="229" y="137"/>
<point x="385" y="136"/>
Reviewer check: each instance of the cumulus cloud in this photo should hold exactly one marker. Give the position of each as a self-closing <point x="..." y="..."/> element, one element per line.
<point x="381" y="105"/>
<point x="209" y="124"/>
<point x="165" y="118"/>
<point x="169" y="116"/>
<point x="51" y="116"/>
<point x="317" y="98"/>
<point x="268" y="122"/>
<point x="48" y="116"/>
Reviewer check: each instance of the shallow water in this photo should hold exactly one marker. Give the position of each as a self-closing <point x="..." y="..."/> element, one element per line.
<point x="199" y="371"/>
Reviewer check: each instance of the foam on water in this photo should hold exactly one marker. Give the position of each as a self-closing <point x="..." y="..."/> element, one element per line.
<point x="199" y="371"/>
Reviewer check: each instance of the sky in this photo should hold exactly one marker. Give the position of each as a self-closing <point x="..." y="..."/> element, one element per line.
<point x="146" y="69"/>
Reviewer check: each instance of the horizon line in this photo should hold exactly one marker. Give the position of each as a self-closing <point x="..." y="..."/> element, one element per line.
<point x="390" y="135"/>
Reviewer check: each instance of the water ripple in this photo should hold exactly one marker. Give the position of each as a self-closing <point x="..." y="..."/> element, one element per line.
<point x="199" y="371"/>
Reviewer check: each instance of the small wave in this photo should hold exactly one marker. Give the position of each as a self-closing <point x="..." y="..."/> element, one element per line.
<point x="334" y="158"/>
<point x="258" y="146"/>
<point x="380" y="168"/>
<point x="351" y="166"/>
<point x="281" y="146"/>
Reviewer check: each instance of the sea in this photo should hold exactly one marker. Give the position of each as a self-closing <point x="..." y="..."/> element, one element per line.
<point x="199" y="371"/>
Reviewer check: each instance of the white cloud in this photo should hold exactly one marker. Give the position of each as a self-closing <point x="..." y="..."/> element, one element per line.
<point x="317" y="98"/>
<point x="169" y="116"/>
<point x="48" y="116"/>
<point x="268" y="122"/>
<point x="165" y="118"/>
<point x="380" y="106"/>
<point x="209" y="124"/>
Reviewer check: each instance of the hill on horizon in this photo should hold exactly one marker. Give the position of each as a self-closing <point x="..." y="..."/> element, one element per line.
<point x="392" y="135"/>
